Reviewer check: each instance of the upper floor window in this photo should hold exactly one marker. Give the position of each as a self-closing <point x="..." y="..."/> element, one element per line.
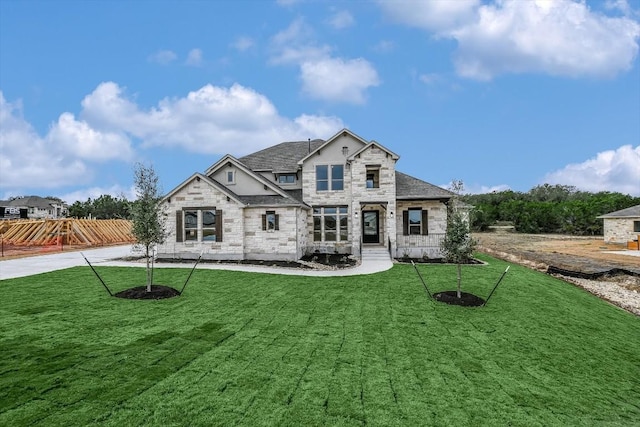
<point x="231" y="177"/>
<point x="287" y="178"/>
<point x="329" y="177"/>
<point x="373" y="178"/>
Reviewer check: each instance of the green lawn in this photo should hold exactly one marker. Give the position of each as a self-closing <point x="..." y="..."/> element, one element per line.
<point x="253" y="349"/>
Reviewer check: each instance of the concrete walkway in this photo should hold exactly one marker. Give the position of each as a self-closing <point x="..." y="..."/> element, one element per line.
<point x="22" y="267"/>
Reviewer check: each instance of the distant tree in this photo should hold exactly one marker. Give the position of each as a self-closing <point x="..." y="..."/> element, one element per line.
<point x="149" y="225"/>
<point x="457" y="245"/>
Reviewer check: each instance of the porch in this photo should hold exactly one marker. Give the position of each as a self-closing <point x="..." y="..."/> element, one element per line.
<point x="419" y="246"/>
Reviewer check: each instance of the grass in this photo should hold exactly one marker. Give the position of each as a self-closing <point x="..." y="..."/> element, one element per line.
<point x="253" y="349"/>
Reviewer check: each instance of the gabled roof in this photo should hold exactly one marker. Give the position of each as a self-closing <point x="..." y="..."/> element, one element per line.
<point x="410" y="188"/>
<point x="374" y="144"/>
<point x="281" y="158"/>
<point x="343" y="132"/>
<point x="230" y="159"/>
<point x="31" y="202"/>
<point x="212" y="182"/>
<point x="632" y="212"/>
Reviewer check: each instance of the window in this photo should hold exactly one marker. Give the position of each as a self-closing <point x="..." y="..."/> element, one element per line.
<point x="209" y="225"/>
<point x="199" y="225"/>
<point x="322" y="178"/>
<point x="231" y="177"/>
<point x="373" y="178"/>
<point x="190" y="225"/>
<point x="415" y="221"/>
<point x="323" y="181"/>
<point x="330" y="224"/>
<point x="270" y="221"/>
<point x="337" y="177"/>
<point x="287" y="178"/>
<point x="636" y="226"/>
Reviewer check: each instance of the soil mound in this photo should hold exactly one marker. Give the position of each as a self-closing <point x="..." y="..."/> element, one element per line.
<point x="465" y="300"/>
<point x="140" y="292"/>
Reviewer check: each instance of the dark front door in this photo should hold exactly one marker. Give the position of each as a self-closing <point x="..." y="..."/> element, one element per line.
<point x="370" y="228"/>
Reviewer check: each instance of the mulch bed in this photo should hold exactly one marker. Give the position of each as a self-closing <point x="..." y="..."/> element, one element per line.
<point x="465" y="300"/>
<point x="140" y="292"/>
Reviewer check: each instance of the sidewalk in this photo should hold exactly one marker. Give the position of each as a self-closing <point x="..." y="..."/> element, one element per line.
<point x="22" y="267"/>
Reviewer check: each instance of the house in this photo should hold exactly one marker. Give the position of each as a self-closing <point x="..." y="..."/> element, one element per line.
<point x="33" y="207"/>
<point x="304" y="197"/>
<point x="622" y="226"/>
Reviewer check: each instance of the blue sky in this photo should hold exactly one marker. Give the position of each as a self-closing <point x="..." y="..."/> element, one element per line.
<point x="499" y="94"/>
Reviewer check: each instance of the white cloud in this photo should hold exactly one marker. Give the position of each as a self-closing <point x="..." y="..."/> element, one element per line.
<point x="27" y="160"/>
<point x="613" y="170"/>
<point x="163" y="57"/>
<point x="194" y="58"/>
<point x="78" y="139"/>
<point x="335" y="79"/>
<point x="243" y="43"/>
<point x="94" y="192"/>
<point x="431" y="15"/>
<point x="560" y="37"/>
<point x="211" y="119"/>
<point x="430" y="78"/>
<point x="485" y="189"/>
<point x="384" y="46"/>
<point x="341" y="19"/>
<point x="323" y="76"/>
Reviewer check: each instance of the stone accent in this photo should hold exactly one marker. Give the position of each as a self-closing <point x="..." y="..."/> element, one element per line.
<point x="418" y="246"/>
<point x="278" y="244"/>
<point x="197" y="194"/>
<point x="619" y="230"/>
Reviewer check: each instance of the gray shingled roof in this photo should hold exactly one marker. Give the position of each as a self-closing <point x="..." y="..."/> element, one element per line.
<point x="31" y="202"/>
<point x="632" y="212"/>
<point x="283" y="157"/>
<point x="408" y="187"/>
<point x="268" y="200"/>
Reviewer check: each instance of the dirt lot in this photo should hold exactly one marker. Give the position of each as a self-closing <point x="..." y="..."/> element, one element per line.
<point x="579" y="254"/>
<point x="585" y="254"/>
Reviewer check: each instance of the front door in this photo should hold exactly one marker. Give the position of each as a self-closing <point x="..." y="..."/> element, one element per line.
<point x="370" y="229"/>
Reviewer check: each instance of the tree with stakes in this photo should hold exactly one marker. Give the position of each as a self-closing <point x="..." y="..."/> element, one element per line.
<point x="457" y="245"/>
<point x="148" y="217"/>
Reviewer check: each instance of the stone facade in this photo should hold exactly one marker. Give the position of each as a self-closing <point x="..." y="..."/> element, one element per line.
<point x="620" y="230"/>
<point x="336" y="196"/>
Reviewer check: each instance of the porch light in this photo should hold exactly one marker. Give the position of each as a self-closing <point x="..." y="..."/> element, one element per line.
<point x="391" y="215"/>
<point x="355" y="214"/>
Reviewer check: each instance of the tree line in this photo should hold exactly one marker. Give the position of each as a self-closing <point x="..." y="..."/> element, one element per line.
<point x="547" y="209"/>
<point x="104" y="207"/>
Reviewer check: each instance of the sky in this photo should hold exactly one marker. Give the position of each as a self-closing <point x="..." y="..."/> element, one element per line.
<point x="499" y="94"/>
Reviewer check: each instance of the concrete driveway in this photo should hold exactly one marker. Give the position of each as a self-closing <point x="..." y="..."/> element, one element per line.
<point x="110" y="256"/>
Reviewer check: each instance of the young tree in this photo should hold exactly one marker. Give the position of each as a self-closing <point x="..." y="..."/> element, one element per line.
<point x="149" y="225"/>
<point x="458" y="245"/>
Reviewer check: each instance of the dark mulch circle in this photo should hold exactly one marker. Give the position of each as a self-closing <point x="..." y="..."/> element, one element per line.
<point x="465" y="300"/>
<point x="140" y="292"/>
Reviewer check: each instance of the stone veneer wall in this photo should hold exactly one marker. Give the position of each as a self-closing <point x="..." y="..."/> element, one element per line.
<point x="200" y="194"/>
<point x="386" y="192"/>
<point x="419" y="246"/>
<point x="279" y="244"/>
<point x="619" y="230"/>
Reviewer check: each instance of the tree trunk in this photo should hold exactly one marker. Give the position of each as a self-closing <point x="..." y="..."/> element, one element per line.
<point x="148" y="271"/>
<point x="459" y="280"/>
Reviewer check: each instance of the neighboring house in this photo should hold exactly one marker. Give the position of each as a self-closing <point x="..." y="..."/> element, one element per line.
<point x="33" y="207"/>
<point x="622" y="226"/>
<point x="298" y="198"/>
